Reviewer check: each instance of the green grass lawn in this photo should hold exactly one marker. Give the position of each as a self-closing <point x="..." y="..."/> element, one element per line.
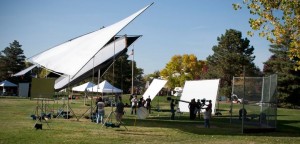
<point x="16" y="126"/>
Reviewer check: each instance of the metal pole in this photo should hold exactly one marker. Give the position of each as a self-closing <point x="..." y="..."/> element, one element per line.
<point x="98" y="81"/>
<point x="132" y="63"/>
<point x="99" y="76"/>
<point x="269" y="101"/>
<point x="231" y="99"/>
<point x="262" y="95"/>
<point x="91" y="107"/>
<point x="111" y="102"/>
<point x="114" y="60"/>
<point x="244" y="69"/>
<point x="68" y="98"/>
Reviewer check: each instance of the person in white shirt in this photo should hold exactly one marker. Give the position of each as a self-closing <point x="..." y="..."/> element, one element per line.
<point x="207" y="115"/>
<point x="134" y="102"/>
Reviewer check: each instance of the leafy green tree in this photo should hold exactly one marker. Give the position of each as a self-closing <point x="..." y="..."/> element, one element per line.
<point x="182" y="68"/>
<point x="150" y="77"/>
<point x="12" y="60"/>
<point x="274" y="19"/>
<point x="288" y="86"/>
<point x="230" y="56"/>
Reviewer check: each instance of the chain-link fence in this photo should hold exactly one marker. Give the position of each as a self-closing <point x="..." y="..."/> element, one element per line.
<point x="254" y="102"/>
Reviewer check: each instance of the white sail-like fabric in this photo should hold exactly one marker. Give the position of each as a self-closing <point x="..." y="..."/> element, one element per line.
<point x="23" y="72"/>
<point x="104" y="54"/>
<point x="155" y="86"/>
<point x="69" y="57"/>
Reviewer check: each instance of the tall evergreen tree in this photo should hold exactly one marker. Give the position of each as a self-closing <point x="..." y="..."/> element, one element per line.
<point x="288" y="86"/>
<point x="12" y="60"/>
<point x="230" y="56"/>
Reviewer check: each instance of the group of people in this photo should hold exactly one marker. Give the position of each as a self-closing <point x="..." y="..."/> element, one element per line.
<point x="137" y="103"/>
<point x="195" y="108"/>
<point x="119" y="112"/>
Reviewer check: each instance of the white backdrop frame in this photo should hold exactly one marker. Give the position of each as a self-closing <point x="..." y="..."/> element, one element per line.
<point x="199" y="89"/>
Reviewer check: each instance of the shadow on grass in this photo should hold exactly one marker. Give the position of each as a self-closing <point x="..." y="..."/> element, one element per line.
<point x="219" y="126"/>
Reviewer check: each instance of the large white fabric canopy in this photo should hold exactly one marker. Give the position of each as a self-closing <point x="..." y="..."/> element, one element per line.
<point x="104" y="87"/>
<point x="113" y="49"/>
<point x="83" y="87"/>
<point x="199" y="89"/>
<point x="104" y="54"/>
<point x="155" y="86"/>
<point x="7" y="83"/>
<point x="70" y="57"/>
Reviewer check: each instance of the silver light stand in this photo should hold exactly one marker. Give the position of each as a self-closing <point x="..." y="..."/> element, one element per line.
<point x="109" y="117"/>
<point x="67" y="105"/>
<point x="38" y="117"/>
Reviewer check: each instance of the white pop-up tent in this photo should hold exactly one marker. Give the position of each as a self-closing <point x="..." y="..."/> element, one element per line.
<point x="155" y="86"/>
<point x="6" y="83"/>
<point x="83" y="87"/>
<point x="199" y="89"/>
<point x="71" y="57"/>
<point x="104" y="87"/>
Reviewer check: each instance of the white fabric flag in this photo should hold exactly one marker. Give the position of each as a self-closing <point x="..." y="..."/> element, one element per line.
<point x="155" y="86"/>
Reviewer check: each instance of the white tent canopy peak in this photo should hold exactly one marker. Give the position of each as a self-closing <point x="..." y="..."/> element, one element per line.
<point x="104" y="87"/>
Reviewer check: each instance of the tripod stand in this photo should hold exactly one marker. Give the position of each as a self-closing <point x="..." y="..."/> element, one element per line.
<point x="91" y="109"/>
<point x="108" y="120"/>
<point x="63" y="113"/>
<point x="40" y="118"/>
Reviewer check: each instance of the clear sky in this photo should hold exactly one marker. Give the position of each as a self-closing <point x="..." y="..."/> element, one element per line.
<point x="169" y="27"/>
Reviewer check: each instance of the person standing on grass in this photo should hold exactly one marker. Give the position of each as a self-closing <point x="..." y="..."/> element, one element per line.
<point x="141" y="102"/>
<point x="148" y="104"/>
<point x="172" y="107"/>
<point x="134" y="101"/>
<point x="119" y="110"/>
<point x="209" y="106"/>
<point x="192" y="107"/>
<point x="130" y="98"/>
<point x="100" y="112"/>
<point x="198" y="108"/>
<point x="207" y="114"/>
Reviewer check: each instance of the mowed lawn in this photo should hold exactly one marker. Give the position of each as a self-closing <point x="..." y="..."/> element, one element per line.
<point x="16" y="126"/>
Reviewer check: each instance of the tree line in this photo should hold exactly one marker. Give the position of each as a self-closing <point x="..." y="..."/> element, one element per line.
<point x="230" y="57"/>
